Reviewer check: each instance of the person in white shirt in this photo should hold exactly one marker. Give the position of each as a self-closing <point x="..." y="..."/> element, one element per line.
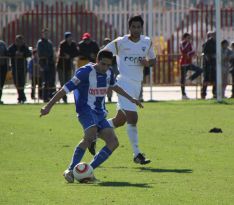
<point x="133" y="52"/>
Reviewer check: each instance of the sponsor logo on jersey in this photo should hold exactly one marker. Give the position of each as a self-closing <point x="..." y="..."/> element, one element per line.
<point x="133" y="59"/>
<point x="98" y="92"/>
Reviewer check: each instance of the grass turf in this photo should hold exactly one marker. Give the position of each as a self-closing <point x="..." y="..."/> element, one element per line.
<point x="189" y="164"/>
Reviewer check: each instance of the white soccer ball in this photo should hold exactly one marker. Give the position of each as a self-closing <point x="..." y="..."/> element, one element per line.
<point x="83" y="172"/>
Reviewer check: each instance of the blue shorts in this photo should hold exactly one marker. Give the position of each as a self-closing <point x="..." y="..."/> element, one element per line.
<point x="90" y="118"/>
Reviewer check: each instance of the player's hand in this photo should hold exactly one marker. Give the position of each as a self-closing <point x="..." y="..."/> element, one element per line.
<point x="44" y="111"/>
<point x="137" y="102"/>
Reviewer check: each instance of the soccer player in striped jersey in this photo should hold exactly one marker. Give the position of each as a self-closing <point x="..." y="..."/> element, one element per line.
<point x="133" y="52"/>
<point x="90" y="84"/>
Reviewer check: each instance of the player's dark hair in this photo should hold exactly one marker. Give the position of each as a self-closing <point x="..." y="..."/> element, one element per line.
<point x="104" y="54"/>
<point x="137" y="18"/>
<point x="185" y="35"/>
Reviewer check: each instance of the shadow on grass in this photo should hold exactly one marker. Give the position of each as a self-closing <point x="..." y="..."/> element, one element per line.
<point x="124" y="184"/>
<point x="179" y="171"/>
<point x="112" y="184"/>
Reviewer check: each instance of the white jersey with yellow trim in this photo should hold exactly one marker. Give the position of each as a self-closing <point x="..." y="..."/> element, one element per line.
<point x="129" y="54"/>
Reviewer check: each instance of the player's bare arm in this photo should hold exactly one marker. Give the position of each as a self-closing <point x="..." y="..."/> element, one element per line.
<point x="46" y="109"/>
<point x="120" y="91"/>
<point x="148" y="63"/>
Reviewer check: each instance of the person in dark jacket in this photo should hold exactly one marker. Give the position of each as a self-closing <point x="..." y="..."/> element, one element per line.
<point x="209" y="64"/>
<point x="67" y="51"/>
<point x="19" y="52"/>
<point x="88" y="49"/>
<point x="46" y="61"/>
<point x="3" y="66"/>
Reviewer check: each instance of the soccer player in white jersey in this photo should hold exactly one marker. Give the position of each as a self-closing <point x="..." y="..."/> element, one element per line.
<point x="133" y="52"/>
<point x="90" y="84"/>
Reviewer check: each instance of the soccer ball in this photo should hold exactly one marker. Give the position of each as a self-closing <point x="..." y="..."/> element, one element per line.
<point x="83" y="172"/>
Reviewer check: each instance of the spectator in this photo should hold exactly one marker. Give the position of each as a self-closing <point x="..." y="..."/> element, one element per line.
<point x="46" y="61"/>
<point x="187" y="54"/>
<point x="209" y="64"/>
<point x="232" y="68"/>
<point x="67" y="51"/>
<point x="113" y="67"/>
<point x="35" y="74"/>
<point x="19" y="52"/>
<point x="226" y="54"/>
<point x="3" y="66"/>
<point x="88" y="50"/>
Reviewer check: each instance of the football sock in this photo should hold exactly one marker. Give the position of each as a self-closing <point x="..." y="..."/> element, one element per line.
<point x="100" y="157"/>
<point x="111" y="123"/>
<point x="77" y="156"/>
<point x="133" y="137"/>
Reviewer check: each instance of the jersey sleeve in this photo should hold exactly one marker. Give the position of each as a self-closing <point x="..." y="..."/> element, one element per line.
<point x="80" y="76"/>
<point x="112" y="46"/>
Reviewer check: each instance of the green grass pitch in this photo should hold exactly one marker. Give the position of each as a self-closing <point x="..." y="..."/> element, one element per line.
<point x="189" y="164"/>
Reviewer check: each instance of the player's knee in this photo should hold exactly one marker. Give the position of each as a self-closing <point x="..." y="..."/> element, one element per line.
<point x="88" y="140"/>
<point x="119" y="122"/>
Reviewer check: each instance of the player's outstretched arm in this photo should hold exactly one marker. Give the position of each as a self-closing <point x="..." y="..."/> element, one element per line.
<point x="46" y="109"/>
<point x="119" y="90"/>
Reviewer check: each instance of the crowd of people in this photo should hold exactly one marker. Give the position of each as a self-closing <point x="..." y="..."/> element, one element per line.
<point x="42" y="66"/>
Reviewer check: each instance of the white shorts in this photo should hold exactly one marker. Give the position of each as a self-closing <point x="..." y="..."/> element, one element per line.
<point x="133" y="88"/>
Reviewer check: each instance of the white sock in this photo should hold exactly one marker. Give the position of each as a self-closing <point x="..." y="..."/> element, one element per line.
<point x="111" y="122"/>
<point x="133" y="137"/>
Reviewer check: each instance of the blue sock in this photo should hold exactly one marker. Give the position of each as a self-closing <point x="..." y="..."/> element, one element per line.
<point x="77" y="156"/>
<point x="100" y="157"/>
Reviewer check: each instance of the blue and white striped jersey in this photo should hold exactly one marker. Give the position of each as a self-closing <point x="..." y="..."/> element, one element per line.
<point x="90" y="88"/>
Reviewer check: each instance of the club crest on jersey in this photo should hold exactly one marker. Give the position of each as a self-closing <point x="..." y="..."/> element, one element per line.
<point x="143" y="48"/>
<point x="75" y="80"/>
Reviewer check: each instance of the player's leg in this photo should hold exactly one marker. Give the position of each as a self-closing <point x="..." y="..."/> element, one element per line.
<point x="118" y="121"/>
<point x="197" y="71"/>
<point x="182" y="81"/>
<point x="79" y="152"/>
<point x="132" y="118"/>
<point x="130" y="111"/>
<point x="89" y="122"/>
<point x="112" y="143"/>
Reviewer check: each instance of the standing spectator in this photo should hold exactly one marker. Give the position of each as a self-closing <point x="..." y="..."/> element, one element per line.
<point x="67" y="51"/>
<point x="46" y="61"/>
<point x="209" y="64"/>
<point x="113" y="67"/>
<point x="226" y="55"/>
<point x="3" y="66"/>
<point x="88" y="50"/>
<point x="232" y="68"/>
<point x="187" y="54"/>
<point x="35" y="74"/>
<point x="19" y="52"/>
